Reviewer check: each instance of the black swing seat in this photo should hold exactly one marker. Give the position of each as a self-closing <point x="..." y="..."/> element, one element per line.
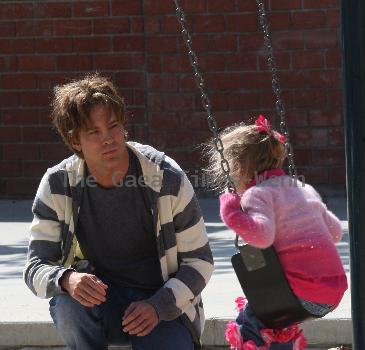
<point x="266" y="288"/>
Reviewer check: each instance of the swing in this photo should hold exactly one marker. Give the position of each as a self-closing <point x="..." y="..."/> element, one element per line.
<point x="259" y="271"/>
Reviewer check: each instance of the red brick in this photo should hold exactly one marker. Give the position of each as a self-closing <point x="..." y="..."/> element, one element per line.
<point x="187" y="83"/>
<point x="303" y="157"/>
<point x="209" y="24"/>
<point x="169" y="24"/>
<point x="224" y="81"/>
<point x="44" y="116"/>
<point x="90" y="9"/>
<point x="130" y="79"/>
<point x="20" y="151"/>
<point x="244" y="5"/>
<point x="297" y="117"/>
<point x="10" y="134"/>
<point x="53" y="45"/>
<point x="307" y="59"/>
<point x="333" y="18"/>
<point x="176" y="64"/>
<point x="286" y="4"/>
<point x="36" y="63"/>
<point x="10" y="169"/>
<point x="257" y="80"/>
<point x="221" y="6"/>
<point x="330" y="157"/>
<point x="154" y="102"/>
<point x="37" y="168"/>
<point x="321" y="39"/>
<point x="139" y="97"/>
<point x="279" y="20"/>
<point x="92" y="44"/>
<point x="161" y="44"/>
<point x="282" y="60"/>
<point x="152" y="25"/>
<point x="19" y="117"/>
<point x="137" y="25"/>
<point x="152" y="7"/>
<point x="9" y="99"/>
<point x="337" y="175"/>
<point x="336" y="136"/>
<point x="113" y="62"/>
<point x="74" y="63"/>
<point x="215" y="43"/>
<point x="128" y="43"/>
<point x="267" y="99"/>
<point x="16" y="46"/>
<point x="321" y="4"/>
<point x="219" y="101"/>
<point x="154" y="64"/>
<point x="178" y="102"/>
<point x="111" y="26"/>
<point x="329" y="78"/>
<point x="325" y="117"/>
<point x="241" y="23"/>
<point x="288" y="40"/>
<point x="7" y="29"/>
<point x="196" y="6"/>
<point x="49" y="80"/>
<point x="251" y="42"/>
<point x="314" y="175"/>
<point x="16" y="10"/>
<point x="308" y="20"/>
<point x="161" y="121"/>
<point x="34" y="28"/>
<point x="40" y="134"/>
<point x="34" y="99"/>
<point x="8" y="63"/>
<point x="210" y="63"/>
<point x="18" y="81"/>
<point x="243" y="101"/>
<point x="333" y="58"/>
<point x="73" y="27"/>
<point x="335" y="97"/>
<point x="52" y="9"/>
<point x="162" y="83"/>
<point x="310" y="98"/>
<point x="54" y="151"/>
<point x="194" y="120"/>
<point x="127" y="7"/>
<point x="313" y="138"/>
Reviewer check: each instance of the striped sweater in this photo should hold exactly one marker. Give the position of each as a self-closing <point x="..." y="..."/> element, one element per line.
<point x="182" y="243"/>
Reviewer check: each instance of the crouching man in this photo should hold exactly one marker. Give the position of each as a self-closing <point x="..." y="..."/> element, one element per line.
<point x="118" y="239"/>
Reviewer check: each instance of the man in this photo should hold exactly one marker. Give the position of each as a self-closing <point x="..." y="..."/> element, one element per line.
<point x="117" y="240"/>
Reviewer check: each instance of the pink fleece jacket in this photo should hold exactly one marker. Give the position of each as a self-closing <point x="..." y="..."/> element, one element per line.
<point x="292" y="217"/>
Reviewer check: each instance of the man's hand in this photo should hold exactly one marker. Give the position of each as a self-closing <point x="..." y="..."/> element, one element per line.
<point x="87" y="289"/>
<point x="139" y="319"/>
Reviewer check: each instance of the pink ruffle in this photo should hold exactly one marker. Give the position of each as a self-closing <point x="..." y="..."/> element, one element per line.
<point x="292" y="333"/>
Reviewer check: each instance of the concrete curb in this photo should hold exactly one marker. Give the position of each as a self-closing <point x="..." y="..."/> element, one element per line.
<point x="323" y="332"/>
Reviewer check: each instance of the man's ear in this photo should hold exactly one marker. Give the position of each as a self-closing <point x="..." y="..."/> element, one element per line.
<point x="76" y="145"/>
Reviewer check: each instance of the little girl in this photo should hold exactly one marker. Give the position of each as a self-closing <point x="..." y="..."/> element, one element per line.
<point x="272" y="208"/>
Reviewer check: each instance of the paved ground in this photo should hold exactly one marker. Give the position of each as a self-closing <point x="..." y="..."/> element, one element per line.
<point x="20" y="308"/>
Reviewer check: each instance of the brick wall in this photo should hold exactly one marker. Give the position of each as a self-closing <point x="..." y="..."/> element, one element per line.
<point x="137" y="43"/>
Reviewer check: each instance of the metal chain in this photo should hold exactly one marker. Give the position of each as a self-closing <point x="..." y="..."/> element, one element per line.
<point x="212" y="123"/>
<point x="279" y="105"/>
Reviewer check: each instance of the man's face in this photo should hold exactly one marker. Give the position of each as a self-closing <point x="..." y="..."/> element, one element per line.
<point x="102" y="141"/>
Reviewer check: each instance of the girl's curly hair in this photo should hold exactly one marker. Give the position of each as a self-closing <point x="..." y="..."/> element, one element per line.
<point x="247" y="151"/>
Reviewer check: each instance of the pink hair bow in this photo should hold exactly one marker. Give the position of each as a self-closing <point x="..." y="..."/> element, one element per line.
<point x="263" y="125"/>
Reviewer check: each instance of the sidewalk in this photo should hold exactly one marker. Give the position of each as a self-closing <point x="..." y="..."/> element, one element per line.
<point x="25" y="321"/>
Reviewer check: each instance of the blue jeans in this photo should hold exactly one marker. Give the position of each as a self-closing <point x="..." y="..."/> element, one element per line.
<point x="250" y="327"/>
<point x="93" y="328"/>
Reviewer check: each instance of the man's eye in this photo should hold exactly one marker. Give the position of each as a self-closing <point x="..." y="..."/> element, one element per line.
<point x="114" y="125"/>
<point x="92" y="132"/>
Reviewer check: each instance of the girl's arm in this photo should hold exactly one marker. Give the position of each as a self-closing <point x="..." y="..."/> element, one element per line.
<point x="333" y="224"/>
<point x="255" y="223"/>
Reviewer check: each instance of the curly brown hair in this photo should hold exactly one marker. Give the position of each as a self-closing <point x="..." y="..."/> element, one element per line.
<point x="72" y="103"/>
<point x="247" y="151"/>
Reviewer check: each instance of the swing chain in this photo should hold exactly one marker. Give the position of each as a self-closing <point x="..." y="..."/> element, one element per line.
<point x="279" y="105"/>
<point x="212" y="123"/>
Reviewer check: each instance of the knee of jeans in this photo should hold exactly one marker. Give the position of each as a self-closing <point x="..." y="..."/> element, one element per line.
<point x="63" y="308"/>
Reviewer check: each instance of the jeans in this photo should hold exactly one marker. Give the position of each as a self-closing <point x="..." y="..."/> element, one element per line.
<point x="93" y="328"/>
<point x="250" y="327"/>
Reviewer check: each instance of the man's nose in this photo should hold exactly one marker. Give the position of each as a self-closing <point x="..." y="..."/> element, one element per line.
<point x="107" y="137"/>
